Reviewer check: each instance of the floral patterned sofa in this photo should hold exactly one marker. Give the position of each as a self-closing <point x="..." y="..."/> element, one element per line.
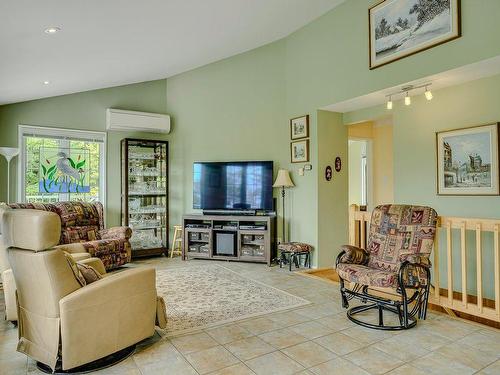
<point x="82" y="230"/>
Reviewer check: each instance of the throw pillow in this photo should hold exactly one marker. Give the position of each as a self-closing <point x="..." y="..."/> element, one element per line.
<point x="89" y="273"/>
<point x="76" y="272"/>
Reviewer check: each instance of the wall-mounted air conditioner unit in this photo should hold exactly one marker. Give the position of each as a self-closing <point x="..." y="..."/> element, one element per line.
<point x="122" y="120"/>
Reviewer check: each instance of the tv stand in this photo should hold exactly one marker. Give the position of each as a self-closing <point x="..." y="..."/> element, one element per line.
<point x="254" y="237"/>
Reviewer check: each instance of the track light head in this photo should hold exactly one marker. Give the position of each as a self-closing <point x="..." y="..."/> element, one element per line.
<point x="407" y="99"/>
<point x="428" y="94"/>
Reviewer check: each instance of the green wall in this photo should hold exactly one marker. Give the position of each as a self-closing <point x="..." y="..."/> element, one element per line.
<point x="414" y="134"/>
<point x="332" y="204"/>
<point x="86" y="110"/>
<point x="230" y="110"/>
<point x="239" y="108"/>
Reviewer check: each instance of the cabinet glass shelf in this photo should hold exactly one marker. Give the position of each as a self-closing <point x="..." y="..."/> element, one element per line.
<point x="145" y="194"/>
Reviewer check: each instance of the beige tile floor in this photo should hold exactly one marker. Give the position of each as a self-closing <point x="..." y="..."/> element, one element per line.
<point x="315" y="339"/>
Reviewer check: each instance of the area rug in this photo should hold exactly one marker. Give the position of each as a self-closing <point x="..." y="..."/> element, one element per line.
<point x="199" y="297"/>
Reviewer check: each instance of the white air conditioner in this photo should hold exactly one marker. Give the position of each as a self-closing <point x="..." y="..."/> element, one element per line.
<point x="122" y="120"/>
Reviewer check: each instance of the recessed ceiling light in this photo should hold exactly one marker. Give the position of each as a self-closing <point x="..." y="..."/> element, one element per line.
<point x="52" y="30"/>
<point x="46" y="82"/>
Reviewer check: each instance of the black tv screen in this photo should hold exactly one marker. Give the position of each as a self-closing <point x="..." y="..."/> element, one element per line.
<point x="233" y="185"/>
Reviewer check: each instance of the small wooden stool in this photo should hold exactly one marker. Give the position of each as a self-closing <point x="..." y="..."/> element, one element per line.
<point x="177" y="241"/>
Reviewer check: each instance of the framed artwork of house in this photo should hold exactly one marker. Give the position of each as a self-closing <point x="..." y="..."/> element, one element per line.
<point x="467" y="161"/>
<point x="400" y="28"/>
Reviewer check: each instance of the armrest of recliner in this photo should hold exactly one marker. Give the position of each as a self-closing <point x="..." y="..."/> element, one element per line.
<point x="116" y="233"/>
<point x="108" y="315"/>
<point x="352" y="255"/>
<point x="115" y="287"/>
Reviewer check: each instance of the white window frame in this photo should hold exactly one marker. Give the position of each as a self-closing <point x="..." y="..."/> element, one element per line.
<point x="48" y="132"/>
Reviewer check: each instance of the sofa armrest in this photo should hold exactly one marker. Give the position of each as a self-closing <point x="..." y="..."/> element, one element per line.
<point x="113" y="252"/>
<point x="422" y="260"/>
<point x="107" y="315"/>
<point x="353" y="255"/>
<point x="116" y="233"/>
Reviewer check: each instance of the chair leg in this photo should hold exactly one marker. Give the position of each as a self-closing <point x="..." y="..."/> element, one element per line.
<point x="345" y="302"/>
<point x="380" y="316"/>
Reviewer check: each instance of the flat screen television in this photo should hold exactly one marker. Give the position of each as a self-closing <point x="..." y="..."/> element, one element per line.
<point x="241" y="185"/>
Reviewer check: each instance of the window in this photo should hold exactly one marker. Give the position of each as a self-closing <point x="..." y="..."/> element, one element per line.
<point x="61" y="165"/>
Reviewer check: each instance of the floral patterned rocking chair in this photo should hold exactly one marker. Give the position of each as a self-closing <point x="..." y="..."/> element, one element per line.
<point x="401" y="238"/>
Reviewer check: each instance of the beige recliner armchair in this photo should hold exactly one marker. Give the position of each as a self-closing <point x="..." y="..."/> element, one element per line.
<point x="7" y="278"/>
<point x="62" y="323"/>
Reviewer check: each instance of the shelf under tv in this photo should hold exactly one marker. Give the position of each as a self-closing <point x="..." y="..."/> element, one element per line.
<point x="262" y="240"/>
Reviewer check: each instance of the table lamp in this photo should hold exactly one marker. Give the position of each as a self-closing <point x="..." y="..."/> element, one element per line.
<point x="283" y="181"/>
<point x="8" y="153"/>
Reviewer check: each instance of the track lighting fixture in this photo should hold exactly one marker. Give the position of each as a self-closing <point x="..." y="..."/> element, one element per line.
<point x="406" y="90"/>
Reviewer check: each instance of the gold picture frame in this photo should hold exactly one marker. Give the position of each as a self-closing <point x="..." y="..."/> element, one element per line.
<point x="299" y="151"/>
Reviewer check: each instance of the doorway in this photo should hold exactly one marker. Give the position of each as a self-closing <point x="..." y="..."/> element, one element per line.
<point x="371" y="178"/>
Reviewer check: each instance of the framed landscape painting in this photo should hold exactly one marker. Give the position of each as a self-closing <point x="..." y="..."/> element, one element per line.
<point x="399" y="28"/>
<point x="468" y="161"/>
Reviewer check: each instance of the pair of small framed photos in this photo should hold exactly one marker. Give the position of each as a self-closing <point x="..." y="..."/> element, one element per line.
<point x="299" y="132"/>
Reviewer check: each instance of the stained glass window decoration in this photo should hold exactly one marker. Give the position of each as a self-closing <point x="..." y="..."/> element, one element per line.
<point x="64" y="170"/>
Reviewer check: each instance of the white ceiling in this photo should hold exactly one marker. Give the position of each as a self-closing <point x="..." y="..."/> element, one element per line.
<point x="106" y="43"/>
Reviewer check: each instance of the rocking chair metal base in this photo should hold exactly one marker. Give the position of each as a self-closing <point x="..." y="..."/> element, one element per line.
<point x="99" y="364"/>
<point x="412" y="321"/>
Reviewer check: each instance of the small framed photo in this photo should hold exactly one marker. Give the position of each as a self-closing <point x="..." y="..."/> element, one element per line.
<point x="300" y="151"/>
<point x="299" y="127"/>
<point x="467" y="161"/>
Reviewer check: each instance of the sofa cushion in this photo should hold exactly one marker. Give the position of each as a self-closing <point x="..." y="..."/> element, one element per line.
<point x="397" y="231"/>
<point x="79" y="234"/>
<point x="359" y="274"/>
<point x="80" y="214"/>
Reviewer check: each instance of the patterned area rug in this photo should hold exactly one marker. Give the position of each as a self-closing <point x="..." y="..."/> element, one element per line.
<point x="203" y="296"/>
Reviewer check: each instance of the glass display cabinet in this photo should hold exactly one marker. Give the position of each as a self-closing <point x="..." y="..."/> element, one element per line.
<point x="145" y="195"/>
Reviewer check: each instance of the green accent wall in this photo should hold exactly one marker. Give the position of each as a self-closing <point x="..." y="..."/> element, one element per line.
<point x="414" y="133"/>
<point x="85" y="110"/>
<point x="238" y="108"/>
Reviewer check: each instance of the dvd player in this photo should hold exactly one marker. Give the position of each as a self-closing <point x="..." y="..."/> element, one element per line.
<point x="258" y="227"/>
<point x="197" y="225"/>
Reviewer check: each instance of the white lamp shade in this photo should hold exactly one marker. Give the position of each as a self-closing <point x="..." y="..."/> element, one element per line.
<point x="283" y="179"/>
<point x="9" y="152"/>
